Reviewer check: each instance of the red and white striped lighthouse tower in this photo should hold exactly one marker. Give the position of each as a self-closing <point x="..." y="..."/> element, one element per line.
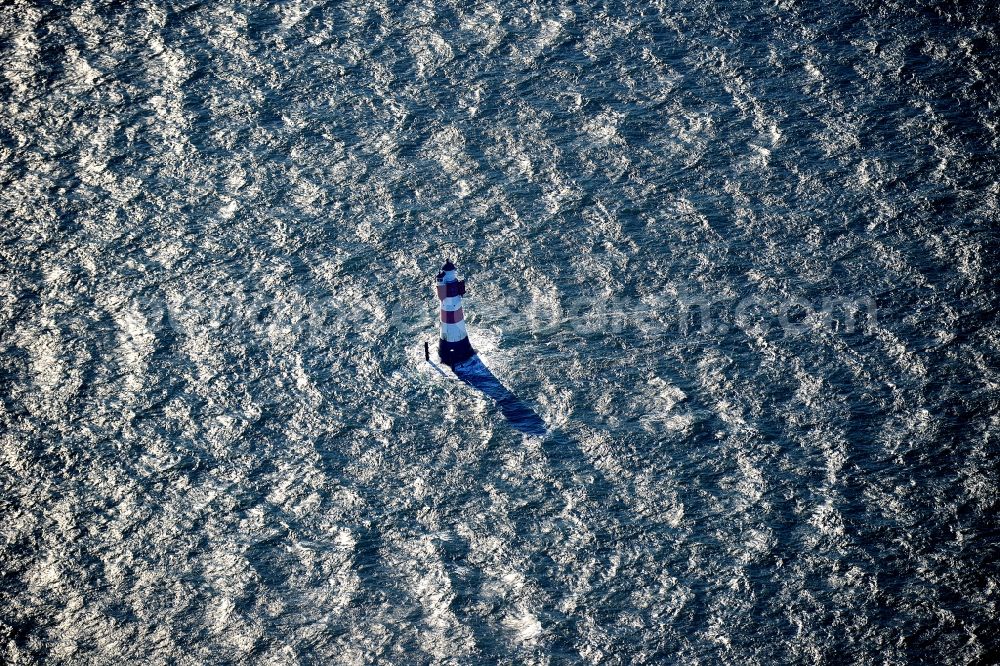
<point x="454" y="347"/>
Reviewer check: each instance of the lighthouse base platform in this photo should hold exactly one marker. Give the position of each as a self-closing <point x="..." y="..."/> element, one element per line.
<point x="453" y="353"/>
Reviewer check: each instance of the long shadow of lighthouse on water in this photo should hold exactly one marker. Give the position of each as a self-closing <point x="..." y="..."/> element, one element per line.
<point x="457" y="353"/>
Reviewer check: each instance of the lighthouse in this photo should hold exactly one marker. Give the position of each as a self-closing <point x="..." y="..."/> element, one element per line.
<point x="454" y="347"/>
<point x="456" y="352"/>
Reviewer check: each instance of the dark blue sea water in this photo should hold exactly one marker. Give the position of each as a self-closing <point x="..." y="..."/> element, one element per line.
<point x="740" y="258"/>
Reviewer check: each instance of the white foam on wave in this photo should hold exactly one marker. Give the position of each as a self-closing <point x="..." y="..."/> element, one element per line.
<point x="24" y="56"/>
<point x="173" y="125"/>
<point x="549" y="31"/>
<point x="430" y="51"/>
<point x="828" y="522"/>
<point x="484" y="21"/>
<point x="524" y="625"/>
<point x="660" y="400"/>
<point x="55" y="380"/>
<point x="136" y="343"/>
<point x="83" y="74"/>
<point x="447" y="146"/>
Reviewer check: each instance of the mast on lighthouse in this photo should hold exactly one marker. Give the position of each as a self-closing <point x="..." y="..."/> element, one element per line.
<point x="454" y="347"/>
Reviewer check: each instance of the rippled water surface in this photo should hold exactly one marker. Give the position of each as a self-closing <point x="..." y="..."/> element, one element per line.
<point x="219" y="439"/>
